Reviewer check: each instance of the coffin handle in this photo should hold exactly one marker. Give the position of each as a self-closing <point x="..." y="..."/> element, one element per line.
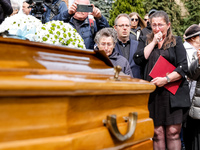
<point x="112" y="126"/>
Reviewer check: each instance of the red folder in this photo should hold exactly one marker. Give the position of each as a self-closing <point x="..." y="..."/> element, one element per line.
<point x="163" y="68"/>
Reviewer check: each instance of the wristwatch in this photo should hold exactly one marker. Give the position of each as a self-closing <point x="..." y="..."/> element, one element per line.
<point x="168" y="79"/>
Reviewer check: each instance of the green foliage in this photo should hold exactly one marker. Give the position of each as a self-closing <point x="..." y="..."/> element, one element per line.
<point x="171" y="8"/>
<point x="193" y="17"/>
<point x="104" y="6"/>
<point x="125" y="6"/>
<point x="179" y="23"/>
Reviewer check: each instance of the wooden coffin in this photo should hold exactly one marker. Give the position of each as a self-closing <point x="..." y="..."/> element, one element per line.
<point x="56" y="98"/>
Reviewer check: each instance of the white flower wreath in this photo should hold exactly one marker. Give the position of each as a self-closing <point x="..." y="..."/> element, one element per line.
<point x="53" y="32"/>
<point x="20" y="22"/>
<point x="59" y="33"/>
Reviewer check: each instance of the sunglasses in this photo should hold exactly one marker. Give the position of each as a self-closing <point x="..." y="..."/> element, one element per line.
<point x="132" y="19"/>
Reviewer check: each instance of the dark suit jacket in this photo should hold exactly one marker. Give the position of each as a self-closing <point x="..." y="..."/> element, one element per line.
<point x="133" y="47"/>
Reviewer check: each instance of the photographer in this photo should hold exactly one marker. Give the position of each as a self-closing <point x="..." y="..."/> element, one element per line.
<point x="86" y="27"/>
<point x="25" y="8"/>
<point x="54" y="9"/>
<point x="5" y="9"/>
<point x="45" y="10"/>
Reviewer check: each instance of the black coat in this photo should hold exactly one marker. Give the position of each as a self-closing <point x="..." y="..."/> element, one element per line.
<point x="146" y="30"/>
<point x="179" y="60"/>
<point x="118" y="59"/>
<point x="133" y="47"/>
<point x="5" y="9"/>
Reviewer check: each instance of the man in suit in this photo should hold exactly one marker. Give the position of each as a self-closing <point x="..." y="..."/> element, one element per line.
<point x="126" y="46"/>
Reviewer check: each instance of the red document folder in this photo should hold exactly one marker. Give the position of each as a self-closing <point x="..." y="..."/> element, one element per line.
<point x="163" y="68"/>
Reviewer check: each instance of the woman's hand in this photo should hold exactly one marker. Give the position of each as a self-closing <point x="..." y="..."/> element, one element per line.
<point x="159" y="81"/>
<point x="157" y="37"/>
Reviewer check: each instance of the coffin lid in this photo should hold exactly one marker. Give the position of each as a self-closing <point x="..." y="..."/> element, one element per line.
<point x="33" y="68"/>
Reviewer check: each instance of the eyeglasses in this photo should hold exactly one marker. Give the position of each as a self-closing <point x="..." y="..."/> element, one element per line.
<point x="123" y="25"/>
<point x="132" y="19"/>
<point x="108" y="44"/>
<point x="145" y="19"/>
<point x="159" y="25"/>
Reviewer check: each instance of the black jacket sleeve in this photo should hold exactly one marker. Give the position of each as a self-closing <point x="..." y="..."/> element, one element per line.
<point x="5" y="9"/>
<point x="138" y="57"/>
<point x="194" y="70"/>
<point x="181" y="58"/>
<point x="6" y="6"/>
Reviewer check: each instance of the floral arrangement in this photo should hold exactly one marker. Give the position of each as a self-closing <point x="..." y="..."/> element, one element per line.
<point x="53" y="32"/>
<point x="59" y="33"/>
<point x="20" y="25"/>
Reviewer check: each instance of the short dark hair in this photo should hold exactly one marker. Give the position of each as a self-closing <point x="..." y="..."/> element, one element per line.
<point x="122" y="15"/>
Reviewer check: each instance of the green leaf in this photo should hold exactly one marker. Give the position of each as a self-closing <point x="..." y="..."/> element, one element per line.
<point x="69" y="34"/>
<point x="50" y="31"/>
<point x="44" y="39"/>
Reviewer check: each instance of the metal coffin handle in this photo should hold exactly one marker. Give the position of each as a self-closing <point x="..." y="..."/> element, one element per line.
<point x="112" y="126"/>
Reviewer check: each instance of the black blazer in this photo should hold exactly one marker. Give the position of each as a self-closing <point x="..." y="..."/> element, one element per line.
<point x="179" y="60"/>
<point x="133" y="47"/>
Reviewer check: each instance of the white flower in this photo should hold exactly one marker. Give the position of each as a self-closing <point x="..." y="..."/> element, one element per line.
<point x="25" y="23"/>
<point x="53" y="32"/>
<point x="59" y="33"/>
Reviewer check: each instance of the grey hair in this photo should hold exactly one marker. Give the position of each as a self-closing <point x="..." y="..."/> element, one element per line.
<point x="15" y="5"/>
<point x="122" y="15"/>
<point x="107" y="32"/>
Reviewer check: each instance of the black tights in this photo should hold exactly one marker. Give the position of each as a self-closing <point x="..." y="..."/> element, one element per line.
<point x="167" y="137"/>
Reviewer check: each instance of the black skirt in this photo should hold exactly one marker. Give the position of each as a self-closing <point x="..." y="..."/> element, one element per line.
<point x="161" y="111"/>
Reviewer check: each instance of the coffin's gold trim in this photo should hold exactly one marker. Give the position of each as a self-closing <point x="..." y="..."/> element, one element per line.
<point x="117" y="70"/>
<point x="112" y="126"/>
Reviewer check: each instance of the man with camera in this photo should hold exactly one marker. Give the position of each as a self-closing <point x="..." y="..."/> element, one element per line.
<point x="45" y="10"/>
<point x="78" y="16"/>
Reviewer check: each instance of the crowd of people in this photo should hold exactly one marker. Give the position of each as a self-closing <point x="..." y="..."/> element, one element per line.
<point x="136" y="44"/>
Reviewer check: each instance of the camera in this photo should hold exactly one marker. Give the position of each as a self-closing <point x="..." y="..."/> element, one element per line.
<point x="84" y="8"/>
<point x="37" y="8"/>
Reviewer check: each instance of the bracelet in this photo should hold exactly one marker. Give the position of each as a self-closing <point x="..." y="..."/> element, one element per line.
<point x="168" y="79"/>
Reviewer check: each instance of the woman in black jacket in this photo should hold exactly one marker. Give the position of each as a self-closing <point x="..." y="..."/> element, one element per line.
<point x="166" y="109"/>
<point x="5" y="9"/>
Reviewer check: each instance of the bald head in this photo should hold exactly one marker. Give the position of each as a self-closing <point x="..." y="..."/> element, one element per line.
<point x="81" y="15"/>
<point x="86" y="2"/>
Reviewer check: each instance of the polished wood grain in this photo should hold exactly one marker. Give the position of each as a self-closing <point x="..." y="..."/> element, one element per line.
<point x="55" y="97"/>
